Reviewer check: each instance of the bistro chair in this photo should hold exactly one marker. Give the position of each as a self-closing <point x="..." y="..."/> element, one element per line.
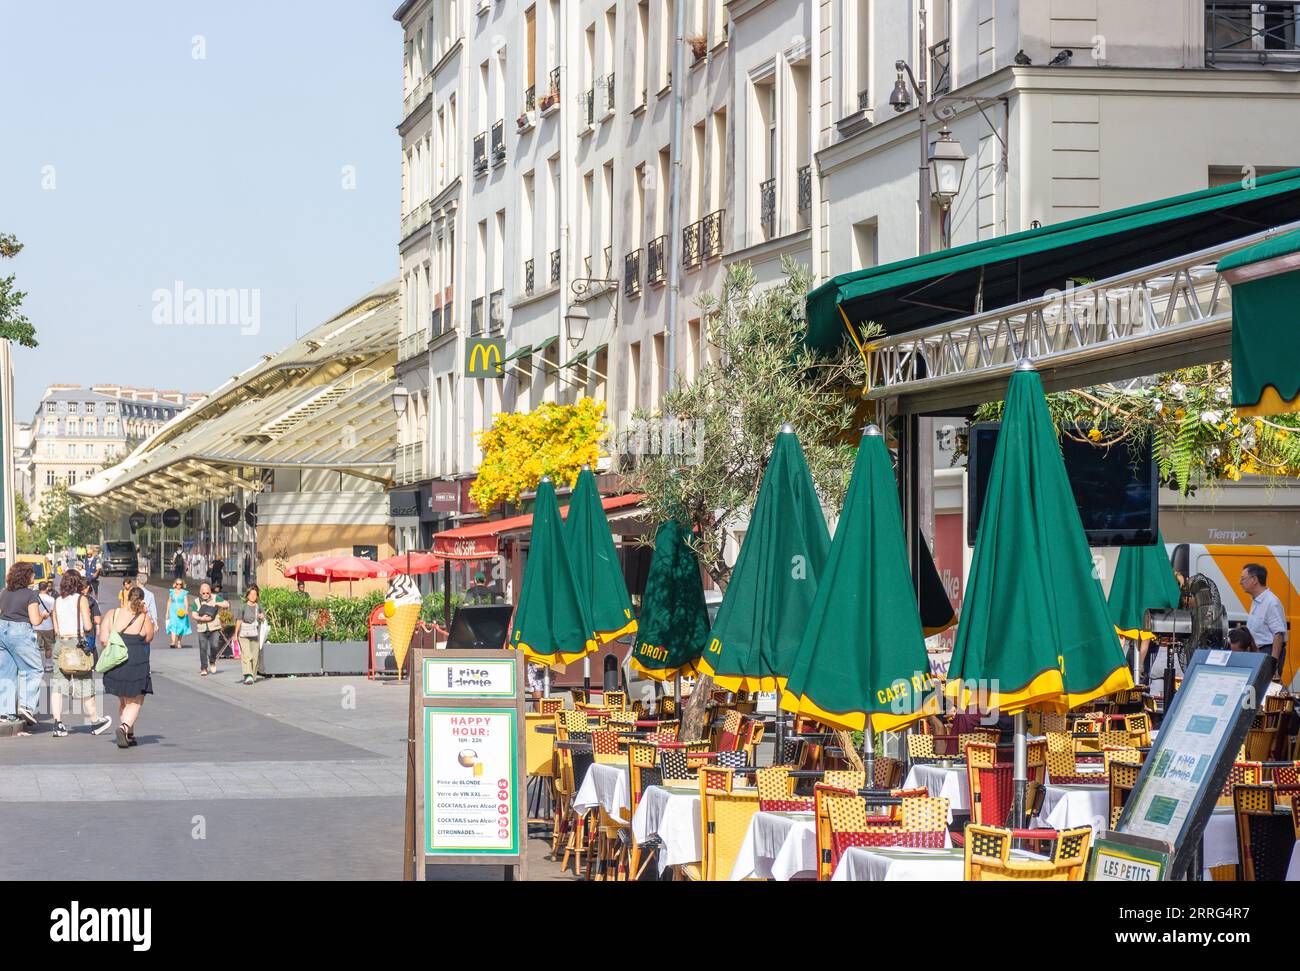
<point x="922" y="824"/>
<point x="920" y="748"/>
<point x="1063" y="766"/>
<point x="1139" y="726"/>
<point x="642" y="773"/>
<point x="1285" y="777"/>
<point x="549" y="706"/>
<point x="624" y="718"/>
<point x="539" y="763"/>
<point x="604" y="744"/>
<point x="1260" y="743"/>
<point x="1241" y="774"/>
<point x="887" y="773"/>
<point x="568" y="721"/>
<point x="1122" y="778"/>
<point x="1265" y="838"/>
<point x="726" y="738"/>
<point x="988" y="856"/>
<point x="991" y="785"/>
<point x="776" y="791"/>
<point x="675" y="767"/>
<point x="725" y="814"/>
<point x="614" y="700"/>
<point x="1118" y="753"/>
<point x="664" y="734"/>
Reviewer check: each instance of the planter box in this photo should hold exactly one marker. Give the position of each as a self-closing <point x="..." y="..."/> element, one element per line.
<point x="345" y="657"/>
<point x="291" y="659"/>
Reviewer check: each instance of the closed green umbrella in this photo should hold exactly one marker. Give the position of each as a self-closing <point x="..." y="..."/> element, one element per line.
<point x="674" y="622"/>
<point x="552" y="624"/>
<point x="1034" y="630"/>
<point x="863" y="652"/>
<point x="1144" y="580"/>
<point x="595" y="561"/>
<point x="765" y="609"/>
<point x="1034" y="627"/>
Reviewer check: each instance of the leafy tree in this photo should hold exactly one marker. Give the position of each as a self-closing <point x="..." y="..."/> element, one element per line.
<point x="761" y="376"/>
<point x="555" y="440"/>
<point x="26" y="540"/>
<point x="13" y="324"/>
<point x="63" y="521"/>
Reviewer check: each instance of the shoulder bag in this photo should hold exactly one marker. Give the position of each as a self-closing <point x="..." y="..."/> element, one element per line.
<point x="77" y="660"/>
<point x="114" y="653"/>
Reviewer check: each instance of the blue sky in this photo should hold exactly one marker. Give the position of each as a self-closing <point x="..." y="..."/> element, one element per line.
<point x="128" y="163"/>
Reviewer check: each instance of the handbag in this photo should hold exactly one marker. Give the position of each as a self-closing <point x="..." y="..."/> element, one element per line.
<point x="113" y="655"/>
<point x="77" y="660"/>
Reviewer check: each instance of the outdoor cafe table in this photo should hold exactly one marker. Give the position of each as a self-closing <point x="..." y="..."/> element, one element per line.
<point x="897" y="863"/>
<point x="605" y="785"/>
<point x="778" y="846"/>
<point x="1067" y="807"/>
<point x="673" y="815"/>
<point x="950" y="783"/>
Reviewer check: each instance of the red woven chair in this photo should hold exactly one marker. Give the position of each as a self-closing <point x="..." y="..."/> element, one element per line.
<point x="604" y="744"/>
<point x="923" y="824"/>
<point x="992" y="788"/>
<point x="776" y="791"/>
<point x="1241" y="774"/>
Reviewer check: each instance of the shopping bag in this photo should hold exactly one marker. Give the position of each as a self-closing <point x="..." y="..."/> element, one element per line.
<point x="113" y="655"/>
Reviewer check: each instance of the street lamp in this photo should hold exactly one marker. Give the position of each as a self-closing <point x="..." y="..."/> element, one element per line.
<point x="947" y="163"/>
<point x="576" y="319"/>
<point x="400" y="397"/>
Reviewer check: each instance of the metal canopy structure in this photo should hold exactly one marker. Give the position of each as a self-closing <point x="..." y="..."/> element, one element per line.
<point x="321" y="403"/>
<point x="1171" y="314"/>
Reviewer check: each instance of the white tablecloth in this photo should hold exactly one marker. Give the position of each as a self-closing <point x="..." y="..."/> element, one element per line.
<point x="778" y="846"/>
<point x="1293" y="871"/>
<point x="674" y="816"/>
<point x="890" y="863"/>
<point x="1066" y="807"/>
<point x="951" y="784"/>
<point x="1219" y="842"/>
<point x="605" y="786"/>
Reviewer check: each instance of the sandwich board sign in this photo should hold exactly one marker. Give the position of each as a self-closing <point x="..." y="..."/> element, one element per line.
<point x="466" y="783"/>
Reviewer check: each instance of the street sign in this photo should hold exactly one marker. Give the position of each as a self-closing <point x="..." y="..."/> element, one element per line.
<point x="136" y="521"/>
<point x="483" y="357"/>
<point x="465" y="778"/>
<point x="228" y="514"/>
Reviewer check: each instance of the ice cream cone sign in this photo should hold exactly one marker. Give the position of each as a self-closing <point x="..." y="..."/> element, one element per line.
<point x="402" y="608"/>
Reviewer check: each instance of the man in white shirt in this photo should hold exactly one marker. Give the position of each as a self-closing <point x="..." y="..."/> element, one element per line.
<point x="1267" y="620"/>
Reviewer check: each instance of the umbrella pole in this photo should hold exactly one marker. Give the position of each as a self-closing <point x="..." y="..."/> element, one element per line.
<point x="1020" y="773"/>
<point x="546" y="682"/>
<point x="586" y="675"/>
<point x="868" y="755"/>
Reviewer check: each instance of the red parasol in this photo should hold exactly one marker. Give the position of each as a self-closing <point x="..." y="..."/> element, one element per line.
<point x="418" y="563"/>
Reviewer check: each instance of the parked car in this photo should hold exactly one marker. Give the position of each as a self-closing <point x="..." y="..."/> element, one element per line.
<point x="119" y="559"/>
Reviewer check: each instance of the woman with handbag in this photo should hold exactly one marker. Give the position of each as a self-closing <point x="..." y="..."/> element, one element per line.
<point x="248" y="633"/>
<point x="74" y="662"/>
<point x="126" y="634"/>
<point x="178" y="613"/>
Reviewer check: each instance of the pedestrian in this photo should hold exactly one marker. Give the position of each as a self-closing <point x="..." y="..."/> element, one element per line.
<point x="206" y="615"/>
<point x="73" y="677"/>
<point x="20" y="659"/>
<point x="214" y="572"/>
<point x="130" y="681"/>
<point x="178" y="613"/>
<point x="45" y="629"/>
<point x="478" y="592"/>
<point x="94" y="566"/>
<point x="178" y="565"/>
<point x="151" y="605"/>
<point x="1267" y="620"/>
<point x="248" y="629"/>
<point x="96" y="618"/>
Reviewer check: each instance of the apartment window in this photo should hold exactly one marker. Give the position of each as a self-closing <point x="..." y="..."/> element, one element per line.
<point x="693" y="342"/>
<point x="717" y="159"/>
<point x="767" y="152"/>
<point x="662" y="190"/>
<point x="607" y="210"/>
<point x="864" y="243"/>
<point x="638" y="206"/>
<point x="550" y="372"/>
<point x="697" y="187"/>
<point x="50" y="407"/>
<point x="526" y="231"/>
<point x="73" y="427"/>
<point x="553" y="35"/>
<point x="530" y="66"/>
<point x="110" y="408"/>
<point x="857" y="56"/>
<point x="73" y="407"/>
<point x="90" y="451"/>
<point x="49" y="477"/>
<point x="940" y="46"/>
<point x="667" y="25"/>
<point x="587" y="220"/>
<point x="90" y="407"/>
<point x="72" y="451"/>
<point x="633" y="397"/>
<point x="717" y="22"/>
<point x="639" y="52"/>
<point x="598" y="372"/>
<point x="659" y="375"/>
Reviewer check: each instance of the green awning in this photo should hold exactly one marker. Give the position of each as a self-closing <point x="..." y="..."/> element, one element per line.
<point x="1265" y="280"/>
<point x="1144" y="580"/>
<point x="575" y="360"/>
<point x="541" y="348"/>
<point x="595" y="561"/>
<point x="521" y="352"/>
<point x="954" y="283"/>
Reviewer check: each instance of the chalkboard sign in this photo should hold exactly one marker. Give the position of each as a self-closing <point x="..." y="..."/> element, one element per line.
<point x="466" y="783"/>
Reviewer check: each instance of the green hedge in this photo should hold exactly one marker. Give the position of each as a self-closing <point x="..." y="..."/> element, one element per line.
<point x="293" y="617"/>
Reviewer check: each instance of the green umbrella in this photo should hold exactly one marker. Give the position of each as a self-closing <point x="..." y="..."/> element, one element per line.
<point x="1034" y="626"/>
<point x="595" y="561"/>
<point x="863" y="651"/>
<point x="1144" y="580"/>
<point x="765" y="609"/>
<point x="674" y="624"/>
<point x="552" y="624"/>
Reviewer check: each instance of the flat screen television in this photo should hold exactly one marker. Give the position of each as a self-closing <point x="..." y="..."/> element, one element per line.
<point x="1116" y="488"/>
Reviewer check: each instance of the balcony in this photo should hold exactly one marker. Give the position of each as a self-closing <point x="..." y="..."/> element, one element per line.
<point x="606" y="90"/>
<point x="497" y="311"/>
<point x="656" y="264"/>
<point x="940" y="62"/>
<point x="476" y="316"/>
<point x="711" y="234"/>
<point x="1259" y="33"/>
<point x="555" y="267"/>
<point x="551" y="100"/>
<point x="767" y="207"/>
<point x="632" y="273"/>
<point x="530" y="98"/>
<point x="588" y="101"/>
<point x="528" y="278"/>
<point x="422" y="90"/>
<point x="410" y="463"/>
<point x="416" y="219"/>
<point x="499" y="142"/>
<point x="691" y="254"/>
<point x="480" y="153"/>
<point x="528" y="117"/>
<point x="805" y="188"/>
<point x="412" y="345"/>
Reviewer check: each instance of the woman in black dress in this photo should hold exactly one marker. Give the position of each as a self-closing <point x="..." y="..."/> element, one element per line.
<point x="129" y="681"/>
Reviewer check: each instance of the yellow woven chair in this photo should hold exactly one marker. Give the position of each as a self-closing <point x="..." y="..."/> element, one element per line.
<point x="1265" y="839"/>
<point x="845" y="778"/>
<point x="1122" y="777"/>
<point x="615" y="700"/>
<point x="642" y="772"/>
<point x="920" y="748"/>
<point x="1242" y="773"/>
<point x="549" y="706"/>
<point x="776" y="790"/>
<point x="1118" y="753"/>
<point x="1062" y="767"/>
<point x="983" y="737"/>
<point x="568" y="720"/>
<point x="622" y="720"/>
<point x="988" y="856"/>
<point x="725" y="814"/>
<point x="1140" y="727"/>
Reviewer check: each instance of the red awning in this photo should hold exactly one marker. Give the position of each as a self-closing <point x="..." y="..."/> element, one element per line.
<point x="478" y="541"/>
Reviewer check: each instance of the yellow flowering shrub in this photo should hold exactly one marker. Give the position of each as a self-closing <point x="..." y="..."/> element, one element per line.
<point x="520" y="447"/>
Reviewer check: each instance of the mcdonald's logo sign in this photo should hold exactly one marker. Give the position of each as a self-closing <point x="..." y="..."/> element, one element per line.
<point x="483" y="357"/>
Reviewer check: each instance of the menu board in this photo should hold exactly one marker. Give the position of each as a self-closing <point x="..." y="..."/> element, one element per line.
<point x="470" y="781"/>
<point x="1199" y="738"/>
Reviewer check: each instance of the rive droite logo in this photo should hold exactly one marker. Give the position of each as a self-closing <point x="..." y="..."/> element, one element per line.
<point x="102" y="924"/>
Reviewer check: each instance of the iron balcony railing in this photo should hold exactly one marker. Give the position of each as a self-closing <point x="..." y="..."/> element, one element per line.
<point x="416" y="219"/>
<point x="691" y="245"/>
<point x="632" y="273"/>
<point x="418" y="94"/>
<point x="528" y="278"/>
<point x="711" y="234"/>
<point x="555" y="267"/>
<point x="499" y="142"/>
<point x="608" y="252"/>
<point x="555" y="84"/>
<point x="656" y="265"/>
<point x="1259" y="32"/>
<point x="530" y="98"/>
<point x="443" y="321"/>
<point x="940" y="62"/>
<point x="609" y="92"/>
<point x="589" y="106"/>
<point x="767" y="206"/>
<point x="476" y="316"/>
<point x="410" y="463"/>
<point x="805" y="188"/>
<point x="480" y="152"/>
<point x="864" y="100"/>
<point x="497" y="311"/>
